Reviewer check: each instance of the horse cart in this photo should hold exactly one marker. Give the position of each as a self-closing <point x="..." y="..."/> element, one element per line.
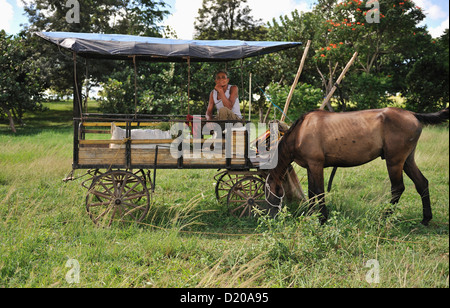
<point x="121" y="162"/>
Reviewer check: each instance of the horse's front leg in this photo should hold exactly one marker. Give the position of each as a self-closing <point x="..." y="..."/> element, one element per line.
<point x="316" y="190"/>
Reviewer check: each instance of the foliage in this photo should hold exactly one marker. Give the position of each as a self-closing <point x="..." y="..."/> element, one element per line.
<point x="117" y="96"/>
<point x="428" y="79"/>
<point x="20" y="80"/>
<point x="396" y="53"/>
<point x="115" y="16"/>
<point x="157" y="93"/>
<point x="227" y="19"/>
<point x="384" y="38"/>
<point x="305" y="97"/>
<point x="368" y="91"/>
<point x="134" y="17"/>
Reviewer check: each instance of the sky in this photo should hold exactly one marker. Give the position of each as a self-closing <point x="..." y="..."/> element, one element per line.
<point x="185" y="11"/>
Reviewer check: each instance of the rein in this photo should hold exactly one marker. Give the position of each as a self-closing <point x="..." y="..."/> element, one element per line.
<point x="267" y="187"/>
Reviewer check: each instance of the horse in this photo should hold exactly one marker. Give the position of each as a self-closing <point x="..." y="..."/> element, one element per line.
<point x="322" y="139"/>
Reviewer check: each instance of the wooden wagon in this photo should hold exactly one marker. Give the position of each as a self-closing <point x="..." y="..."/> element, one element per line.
<point x="121" y="172"/>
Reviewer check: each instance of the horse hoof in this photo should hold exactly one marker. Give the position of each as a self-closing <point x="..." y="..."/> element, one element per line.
<point x="323" y="221"/>
<point x="425" y="222"/>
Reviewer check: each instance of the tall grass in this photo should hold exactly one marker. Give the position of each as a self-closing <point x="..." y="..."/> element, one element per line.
<point x="190" y="240"/>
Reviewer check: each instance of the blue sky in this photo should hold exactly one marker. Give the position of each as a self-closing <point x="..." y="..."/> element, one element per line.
<point x="185" y="11"/>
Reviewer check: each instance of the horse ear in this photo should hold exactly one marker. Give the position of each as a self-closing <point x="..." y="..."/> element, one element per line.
<point x="113" y="128"/>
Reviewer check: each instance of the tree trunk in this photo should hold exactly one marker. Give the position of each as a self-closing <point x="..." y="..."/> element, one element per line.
<point x="11" y="120"/>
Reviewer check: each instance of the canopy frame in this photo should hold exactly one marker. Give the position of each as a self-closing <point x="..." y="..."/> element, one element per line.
<point x="124" y="47"/>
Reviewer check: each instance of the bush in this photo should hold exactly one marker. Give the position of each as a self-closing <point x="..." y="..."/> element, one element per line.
<point x="117" y="96"/>
<point x="157" y="94"/>
<point x="305" y="98"/>
<point x="368" y="91"/>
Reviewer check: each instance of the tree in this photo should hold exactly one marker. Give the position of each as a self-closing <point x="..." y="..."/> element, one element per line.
<point x="280" y="68"/>
<point x="227" y="19"/>
<point x="133" y="17"/>
<point x="20" y="79"/>
<point x="428" y="80"/>
<point x="385" y="35"/>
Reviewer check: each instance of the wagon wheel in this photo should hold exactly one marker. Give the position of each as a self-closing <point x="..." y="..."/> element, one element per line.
<point x="246" y="195"/>
<point x="95" y="173"/>
<point x="225" y="181"/>
<point x="92" y="173"/>
<point x="116" y="196"/>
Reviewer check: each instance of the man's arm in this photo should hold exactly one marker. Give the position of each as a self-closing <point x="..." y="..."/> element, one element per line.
<point x="209" y="111"/>
<point x="229" y="103"/>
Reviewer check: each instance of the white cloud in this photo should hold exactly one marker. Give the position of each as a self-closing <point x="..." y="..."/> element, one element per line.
<point x="266" y="10"/>
<point x="6" y="15"/>
<point x="436" y="12"/>
<point x="185" y="12"/>
<point x="439" y="30"/>
<point x="432" y="11"/>
<point x="182" y="20"/>
<point x="437" y="18"/>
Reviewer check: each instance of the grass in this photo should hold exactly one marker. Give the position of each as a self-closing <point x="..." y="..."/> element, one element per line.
<point x="190" y="240"/>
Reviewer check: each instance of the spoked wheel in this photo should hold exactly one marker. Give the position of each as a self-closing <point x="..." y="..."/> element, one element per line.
<point x="245" y="196"/>
<point x="117" y="196"/>
<point x="225" y="181"/>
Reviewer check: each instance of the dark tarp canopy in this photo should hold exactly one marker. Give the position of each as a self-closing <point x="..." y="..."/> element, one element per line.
<point x="122" y="47"/>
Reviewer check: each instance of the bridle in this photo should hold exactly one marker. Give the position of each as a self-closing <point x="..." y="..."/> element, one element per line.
<point x="267" y="187"/>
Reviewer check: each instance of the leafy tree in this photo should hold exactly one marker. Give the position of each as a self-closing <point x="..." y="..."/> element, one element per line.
<point x="386" y="46"/>
<point x="227" y="19"/>
<point x="20" y="79"/>
<point x="161" y="89"/>
<point x="305" y="98"/>
<point x="428" y="80"/>
<point x="133" y="17"/>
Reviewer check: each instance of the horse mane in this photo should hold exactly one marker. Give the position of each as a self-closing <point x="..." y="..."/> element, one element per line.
<point x="298" y="123"/>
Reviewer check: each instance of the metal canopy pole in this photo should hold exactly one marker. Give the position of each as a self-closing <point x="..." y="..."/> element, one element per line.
<point x="77" y="110"/>
<point x="250" y="98"/>
<point x="77" y="113"/>
<point x="189" y="83"/>
<point x="135" y="86"/>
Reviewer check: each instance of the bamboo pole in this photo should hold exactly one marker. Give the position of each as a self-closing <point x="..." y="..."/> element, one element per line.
<point x="338" y="82"/>
<point x="327" y="100"/>
<point x="250" y="98"/>
<point x="297" y="77"/>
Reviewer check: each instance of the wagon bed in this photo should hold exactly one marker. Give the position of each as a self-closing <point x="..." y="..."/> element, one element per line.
<point x="94" y="152"/>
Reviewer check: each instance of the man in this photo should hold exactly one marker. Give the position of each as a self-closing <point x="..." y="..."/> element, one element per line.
<point x="225" y="98"/>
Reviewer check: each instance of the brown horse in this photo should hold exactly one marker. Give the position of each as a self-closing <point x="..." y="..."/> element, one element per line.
<point x="321" y="139"/>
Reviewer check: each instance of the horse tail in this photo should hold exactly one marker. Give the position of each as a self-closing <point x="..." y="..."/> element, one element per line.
<point x="433" y="118"/>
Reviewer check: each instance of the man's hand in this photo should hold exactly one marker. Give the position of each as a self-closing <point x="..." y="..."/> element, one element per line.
<point x="219" y="89"/>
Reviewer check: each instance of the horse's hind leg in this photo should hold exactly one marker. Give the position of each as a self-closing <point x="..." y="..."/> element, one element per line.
<point x="396" y="177"/>
<point x="421" y="183"/>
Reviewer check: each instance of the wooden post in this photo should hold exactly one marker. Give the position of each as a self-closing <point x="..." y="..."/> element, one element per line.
<point x="338" y="82"/>
<point x="297" y="77"/>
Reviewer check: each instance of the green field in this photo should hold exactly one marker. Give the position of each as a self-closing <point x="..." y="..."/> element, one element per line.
<point x="190" y="240"/>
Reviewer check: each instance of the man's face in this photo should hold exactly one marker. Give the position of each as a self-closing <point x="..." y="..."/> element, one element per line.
<point x="222" y="79"/>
